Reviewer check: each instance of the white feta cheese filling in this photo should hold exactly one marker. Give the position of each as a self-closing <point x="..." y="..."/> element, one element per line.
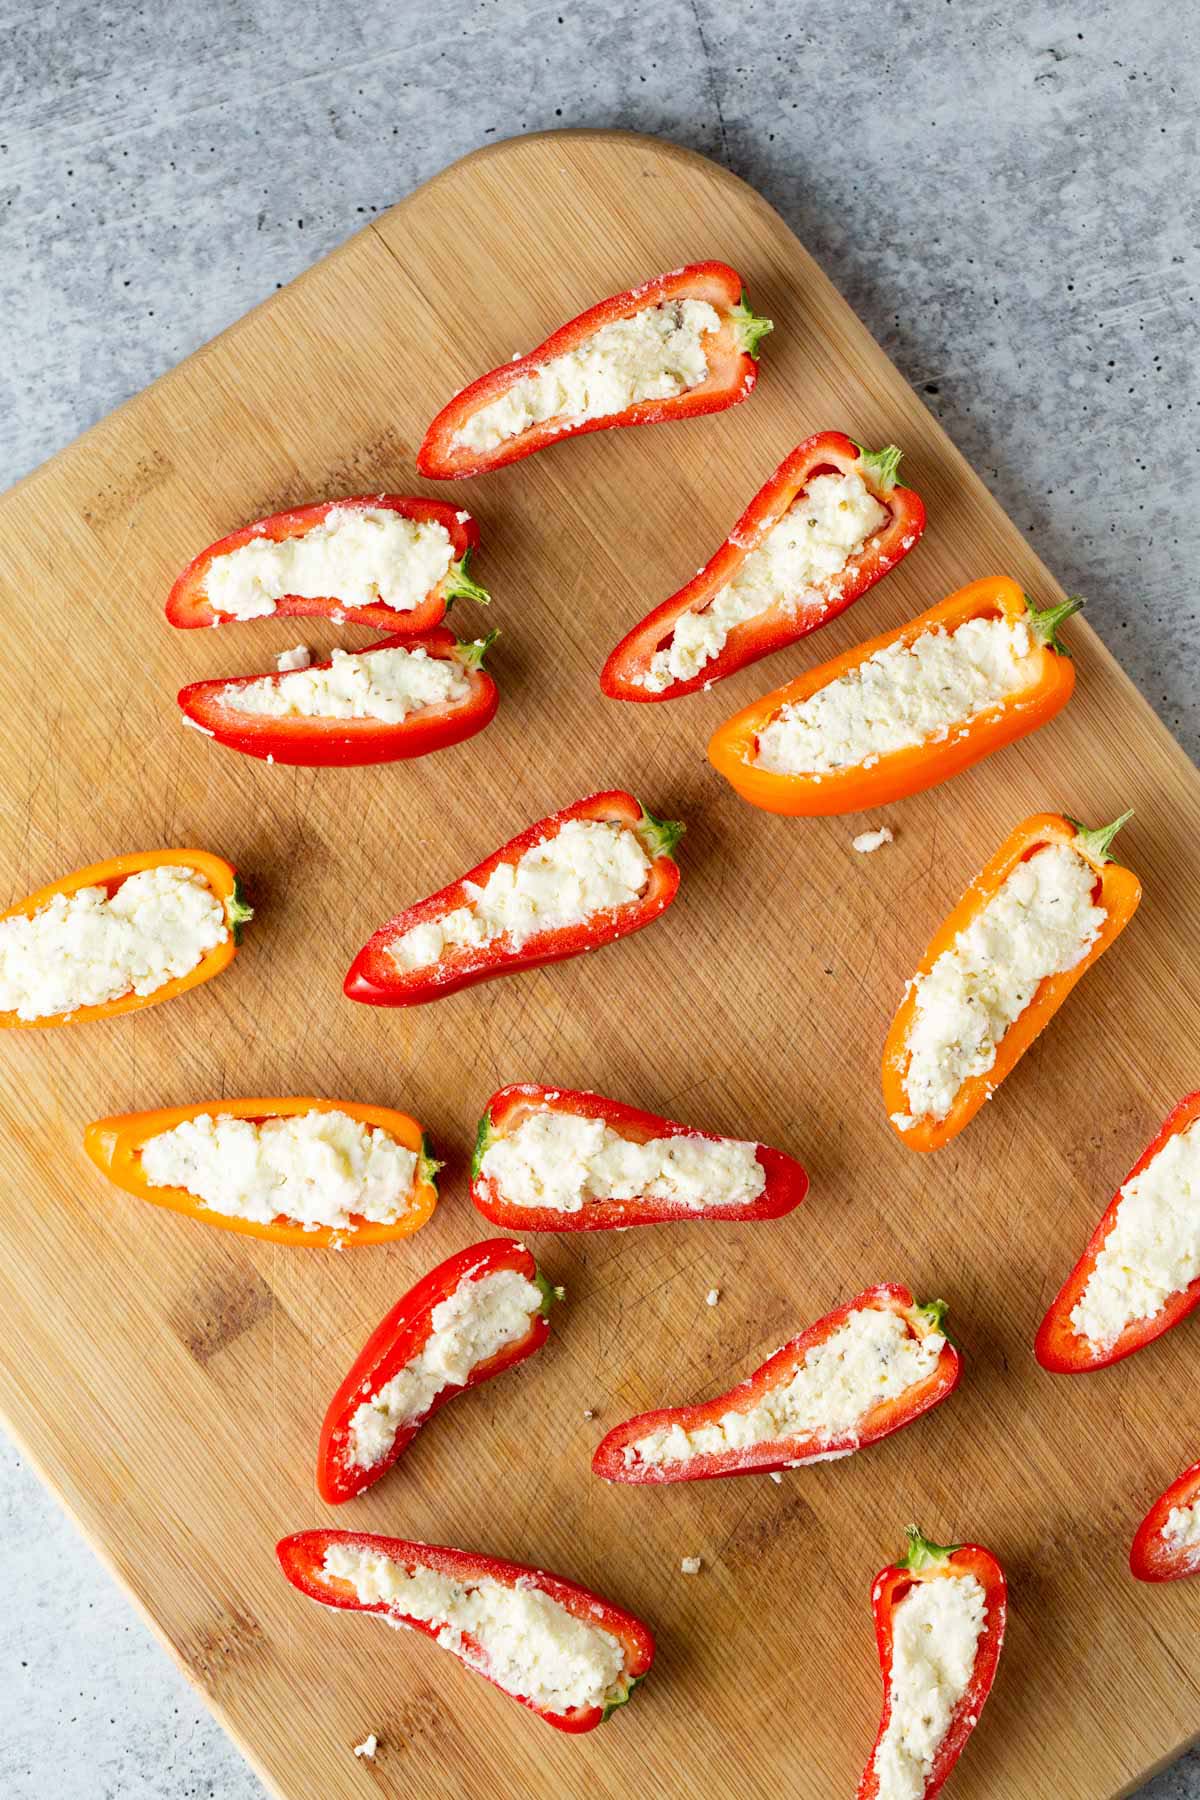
<point x="318" y="1169"/>
<point x="565" y="1162"/>
<point x="588" y="866"/>
<point x="654" y="355"/>
<point x="468" y="1327"/>
<point x="87" y="948"/>
<point x="936" y="1629"/>
<point x="1041" y="922"/>
<point x="903" y="696"/>
<point x="872" y="1357"/>
<point x="528" y="1644"/>
<point x="357" y="556"/>
<point x="803" y="552"/>
<point x="1181" y="1532"/>
<point x="386" y="685"/>
<point x="1153" y="1248"/>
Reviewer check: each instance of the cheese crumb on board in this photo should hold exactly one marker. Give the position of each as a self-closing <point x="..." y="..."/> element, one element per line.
<point x="358" y="556"/>
<point x="690" y="1565"/>
<point x="936" y="1629"/>
<point x="368" y="1747"/>
<point x="386" y="684"/>
<point x="299" y="658"/>
<point x="867" y="841"/>
<point x="712" y="1297"/>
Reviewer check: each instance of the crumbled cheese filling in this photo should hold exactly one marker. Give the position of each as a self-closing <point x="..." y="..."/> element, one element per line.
<point x="936" y="1629"/>
<point x="654" y="355"/>
<point x="872" y="1357"/>
<point x="357" y="556"/>
<point x="527" y="1643"/>
<point x="588" y="866"/>
<point x="299" y="657"/>
<point x="1181" y="1532"/>
<point x="1040" y="922"/>
<point x="386" y="685"/>
<point x="565" y="1162"/>
<point x="1153" y="1248"/>
<point x="86" y="948"/>
<point x="468" y="1327"/>
<point x="318" y="1169"/>
<point x="904" y="695"/>
<point x="803" y="552"/>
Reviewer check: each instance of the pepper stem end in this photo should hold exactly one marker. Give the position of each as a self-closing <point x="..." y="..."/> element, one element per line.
<point x="237" y="911"/>
<point x="483" y="1138"/>
<point x="1044" y="621"/>
<point x="1094" y="844"/>
<point x="459" y="586"/>
<point x="932" y="1314"/>
<point x="658" y="837"/>
<point x="881" y="465"/>
<point x="921" y="1554"/>
<point x="428" y="1164"/>
<point x="748" y="328"/>
<point x="471" y="651"/>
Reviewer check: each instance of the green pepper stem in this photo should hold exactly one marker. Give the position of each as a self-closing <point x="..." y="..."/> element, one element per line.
<point x="428" y="1164"/>
<point x="658" y="837"/>
<point x="459" y="586"/>
<point x="237" y="912"/>
<point x="1094" y="844"/>
<point x="471" y="651"/>
<point x="1044" y="621"/>
<point x="921" y="1554"/>
<point x="483" y="1138"/>
<point x="933" y="1312"/>
<point x="748" y="328"/>
<point x="881" y="465"/>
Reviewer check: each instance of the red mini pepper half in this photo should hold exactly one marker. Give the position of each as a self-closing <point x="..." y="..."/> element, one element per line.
<point x="1059" y="1348"/>
<point x="314" y="741"/>
<point x="617" y="1460"/>
<point x="786" y="1182"/>
<point x="793" y="616"/>
<point x="938" y="1562"/>
<point x="1158" y="1552"/>
<point x="399" y="1338"/>
<point x="302" y="1558"/>
<point x="732" y="371"/>
<point x="377" y="979"/>
<point x="188" y="604"/>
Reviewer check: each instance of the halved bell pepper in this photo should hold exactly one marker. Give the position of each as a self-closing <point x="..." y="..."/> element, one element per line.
<point x="793" y="616"/>
<point x="327" y="742"/>
<point x="115" y="1146"/>
<point x="219" y="875"/>
<point x="937" y="1562"/>
<point x="1117" y="892"/>
<point x="399" y="1338"/>
<point x="375" y="977"/>
<point x="303" y="1557"/>
<point x="1158" y="1552"/>
<point x="1048" y="685"/>
<point x="188" y="604"/>
<point x="731" y="352"/>
<point x="1059" y="1347"/>
<point x="616" y="1457"/>
<point x="786" y="1182"/>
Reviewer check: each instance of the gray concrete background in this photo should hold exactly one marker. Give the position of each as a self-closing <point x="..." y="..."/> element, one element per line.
<point x="1007" y="194"/>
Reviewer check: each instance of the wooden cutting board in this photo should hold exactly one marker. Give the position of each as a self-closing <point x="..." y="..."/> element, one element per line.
<point x="169" y="1380"/>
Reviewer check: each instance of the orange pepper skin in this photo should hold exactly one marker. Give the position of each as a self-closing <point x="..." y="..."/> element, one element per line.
<point x="221" y="877"/>
<point x="114" y="1145"/>
<point x="1117" y="892"/>
<point x="732" y="748"/>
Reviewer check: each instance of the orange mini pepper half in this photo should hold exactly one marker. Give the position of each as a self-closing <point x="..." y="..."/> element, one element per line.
<point x="221" y="878"/>
<point x="1048" y="685"/>
<point x="1117" y="892"/>
<point x="115" y="1146"/>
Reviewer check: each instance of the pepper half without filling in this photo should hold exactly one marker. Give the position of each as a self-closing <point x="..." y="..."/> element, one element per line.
<point x="399" y="1341"/>
<point x="625" y="1645"/>
<point x="899" y="1584"/>
<point x="1064" y="1349"/>
<point x="217" y="874"/>
<point x="640" y="1450"/>
<point x="188" y="604"/>
<point x="327" y="741"/>
<point x="1166" y="1545"/>
<point x="734" y="750"/>
<point x="731" y="369"/>
<point x="377" y="978"/>
<point x="781" y="1185"/>
<point x="115" y="1145"/>
<point x="1116" y="892"/>
<point x="782" y="621"/>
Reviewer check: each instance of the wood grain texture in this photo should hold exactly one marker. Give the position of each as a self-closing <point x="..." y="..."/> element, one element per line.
<point x="169" y="1381"/>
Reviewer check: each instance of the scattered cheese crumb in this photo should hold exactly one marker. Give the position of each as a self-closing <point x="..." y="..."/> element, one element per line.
<point x="588" y="1413"/>
<point x="866" y="841"/>
<point x="690" y="1565"/>
<point x="776" y="1477"/>
<point x="299" y="658"/>
<point x="368" y="1747"/>
<point x="712" y="1296"/>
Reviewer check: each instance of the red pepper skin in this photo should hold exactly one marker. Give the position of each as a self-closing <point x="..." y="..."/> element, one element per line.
<point x="782" y="624"/>
<point x="1057" y="1347"/>
<point x="1150" y="1559"/>
<point x="937" y="1562"/>
<point x="787" y="1181"/>
<point x="187" y="604"/>
<point x="349" y="743"/>
<point x="733" y="371"/>
<point x="302" y="1557"/>
<point x="376" y="980"/>
<point x="787" y="1453"/>
<point x="400" y="1337"/>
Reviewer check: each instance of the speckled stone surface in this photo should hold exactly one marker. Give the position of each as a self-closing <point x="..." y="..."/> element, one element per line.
<point x="1006" y="194"/>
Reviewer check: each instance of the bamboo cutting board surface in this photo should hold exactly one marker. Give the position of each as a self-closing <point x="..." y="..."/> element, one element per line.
<point x="169" y="1380"/>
